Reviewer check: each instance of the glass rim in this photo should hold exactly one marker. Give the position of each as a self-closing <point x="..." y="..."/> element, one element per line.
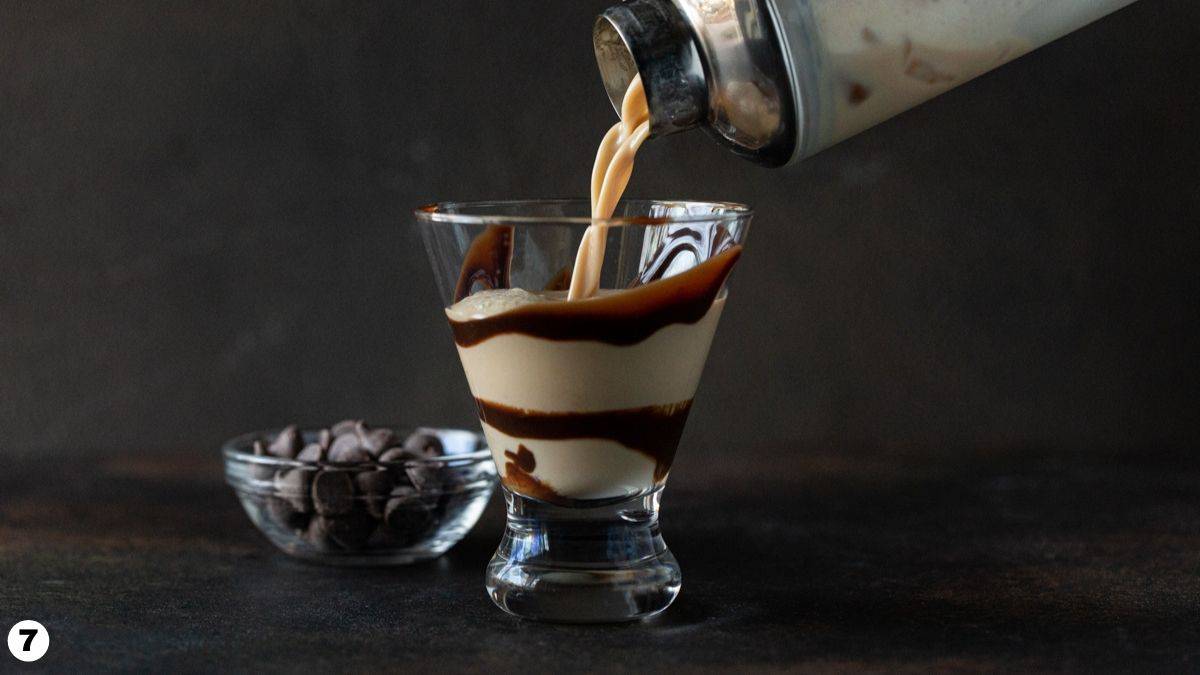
<point x="434" y="212"/>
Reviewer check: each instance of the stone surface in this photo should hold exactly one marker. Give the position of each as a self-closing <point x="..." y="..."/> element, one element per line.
<point x="792" y="557"/>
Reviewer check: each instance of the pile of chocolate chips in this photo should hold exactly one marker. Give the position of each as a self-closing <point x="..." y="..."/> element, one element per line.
<point x="358" y="494"/>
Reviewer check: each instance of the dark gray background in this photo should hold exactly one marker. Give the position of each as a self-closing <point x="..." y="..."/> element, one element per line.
<point x="204" y="229"/>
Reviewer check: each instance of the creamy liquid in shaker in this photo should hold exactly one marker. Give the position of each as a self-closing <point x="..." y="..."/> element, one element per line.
<point x="779" y="80"/>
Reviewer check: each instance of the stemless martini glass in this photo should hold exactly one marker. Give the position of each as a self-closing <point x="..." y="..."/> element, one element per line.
<point x="583" y="402"/>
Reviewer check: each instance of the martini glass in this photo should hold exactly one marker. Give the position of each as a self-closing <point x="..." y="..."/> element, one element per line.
<point x="583" y="412"/>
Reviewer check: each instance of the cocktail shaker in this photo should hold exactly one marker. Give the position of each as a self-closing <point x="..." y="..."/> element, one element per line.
<point x="779" y="80"/>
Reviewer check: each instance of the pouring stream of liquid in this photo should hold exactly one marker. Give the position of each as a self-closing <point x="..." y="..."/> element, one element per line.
<point x="610" y="175"/>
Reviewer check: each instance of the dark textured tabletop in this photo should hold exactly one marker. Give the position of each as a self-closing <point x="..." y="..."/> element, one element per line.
<point x="797" y="558"/>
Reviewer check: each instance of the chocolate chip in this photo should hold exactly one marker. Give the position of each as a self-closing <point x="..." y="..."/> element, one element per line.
<point x="355" y="456"/>
<point x="425" y="442"/>
<point x="404" y="493"/>
<point x="376" y="440"/>
<point x="286" y="443"/>
<point x="400" y="455"/>
<point x="407" y="514"/>
<point x="293" y="485"/>
<point x="261" y="470"/>
<point x="346" y="427"/>
<point x="318" y="533"/>
<point x="453" y="480"/>
<point x="374" y="486"/>
<point x="395" y="458"/>
<point x="455" y="497"/>
<point x="313" y="452"/>
<point x="333" y="492"/>
<point x="347" y="449"/>
<point x="857" y="93"/>
<point x="285" y="516"/>
<point x="425" y="477"/>
<point x="350" y="531"/>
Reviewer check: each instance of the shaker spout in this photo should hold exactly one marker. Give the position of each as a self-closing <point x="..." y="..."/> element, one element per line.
<point x="651" y="37"/>
<point x="714" y="64"/>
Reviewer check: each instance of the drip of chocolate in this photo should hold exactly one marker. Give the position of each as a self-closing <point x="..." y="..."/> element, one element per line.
<point x="521" y="460"/>
<point x="623" y="318"/>
<point x="488" y="261"/>
<point x="653" y="431"/>
<point x="518" y="477"/>
<point x="528" y="486"/>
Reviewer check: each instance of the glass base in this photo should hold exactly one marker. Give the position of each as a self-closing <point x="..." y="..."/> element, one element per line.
<point x="583" y="564"/>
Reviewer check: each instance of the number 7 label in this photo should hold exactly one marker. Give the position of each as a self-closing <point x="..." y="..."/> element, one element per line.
<point x="28" y="640"/>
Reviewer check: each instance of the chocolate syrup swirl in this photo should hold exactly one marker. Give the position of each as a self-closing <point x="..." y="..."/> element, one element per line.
<point x="680" y="239"/>
<point x="488" y="261"/>
<point x="623" y="318"/>
<point x="653" y="431"/>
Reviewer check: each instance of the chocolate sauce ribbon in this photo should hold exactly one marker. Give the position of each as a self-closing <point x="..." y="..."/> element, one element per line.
<point x="624" y="318"/>
<point x="653" y="430"/>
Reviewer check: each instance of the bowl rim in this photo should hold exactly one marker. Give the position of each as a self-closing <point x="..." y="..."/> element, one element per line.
<point x="434" y="212"/>
<point x="235" y="450"/>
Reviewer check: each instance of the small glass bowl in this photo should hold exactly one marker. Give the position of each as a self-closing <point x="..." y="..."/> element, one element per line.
<point x="368" y="513"/>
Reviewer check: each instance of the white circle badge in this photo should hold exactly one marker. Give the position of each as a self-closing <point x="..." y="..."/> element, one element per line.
<point x="28" y="640"/>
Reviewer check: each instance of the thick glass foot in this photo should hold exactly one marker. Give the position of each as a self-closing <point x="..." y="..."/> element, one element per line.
<point x="585" y="564"/>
